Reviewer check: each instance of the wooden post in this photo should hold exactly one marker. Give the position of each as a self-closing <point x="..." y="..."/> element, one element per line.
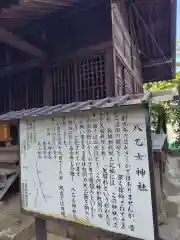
<point x="40" y="228"/>
<point x="110" y="72"/>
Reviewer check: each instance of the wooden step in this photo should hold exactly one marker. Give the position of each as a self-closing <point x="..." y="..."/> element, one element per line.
<point x="6" y="180"/>
<point x="5" y="171"/>
<point x="9" y="165"/>
<point x="9" y="155"/>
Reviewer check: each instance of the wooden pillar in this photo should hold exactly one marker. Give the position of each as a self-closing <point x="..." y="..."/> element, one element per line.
<point x="40" y="228"/>
<point x="47" y="86"/>
<point x="110" y="72"/>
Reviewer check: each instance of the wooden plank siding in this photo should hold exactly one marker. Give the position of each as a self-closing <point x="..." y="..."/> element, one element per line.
<point x="84" y="77"/>
<point x="22" y="92"/>
<point x="86" y="62"/>
<point x="126" y="54"/>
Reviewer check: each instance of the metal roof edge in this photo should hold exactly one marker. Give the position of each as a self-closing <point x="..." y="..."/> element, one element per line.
<point x="90" y="105"/>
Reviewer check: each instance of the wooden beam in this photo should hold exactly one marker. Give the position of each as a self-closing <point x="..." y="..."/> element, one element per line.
<point x="14" y="69"/>
<point x="59" y="3"/>
<point x="157" y="63"/>
<point x="38" y="5"/>
<point x="16" y="12"/>
<point x="18" y="43"/>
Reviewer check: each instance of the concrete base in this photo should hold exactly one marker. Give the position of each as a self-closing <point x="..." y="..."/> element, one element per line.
<point x="13" y="224"/>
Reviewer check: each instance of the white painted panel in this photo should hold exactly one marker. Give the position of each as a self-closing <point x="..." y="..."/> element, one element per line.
<point x="92" y="170"/>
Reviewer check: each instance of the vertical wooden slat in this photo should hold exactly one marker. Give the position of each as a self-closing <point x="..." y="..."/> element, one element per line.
<point x="110" y="73"/>
<point x="91" y="77"/>
<point x="47" y="86"/>
<point x="76" y="81"/>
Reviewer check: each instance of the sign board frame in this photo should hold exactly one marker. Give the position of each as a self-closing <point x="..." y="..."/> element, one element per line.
<point x="40" y="219"/>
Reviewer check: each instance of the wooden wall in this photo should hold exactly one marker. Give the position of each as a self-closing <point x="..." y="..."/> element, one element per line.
<point x="128" y="69"/>
<point x="64" y="33"/>
<point x="91" y="55"/>
<point x="86" y="75"/>
<point x="22" y="91"/>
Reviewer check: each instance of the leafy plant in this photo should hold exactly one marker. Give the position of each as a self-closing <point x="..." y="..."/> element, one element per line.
<point x="159" y="119"/>
<point x="165" y="112"/>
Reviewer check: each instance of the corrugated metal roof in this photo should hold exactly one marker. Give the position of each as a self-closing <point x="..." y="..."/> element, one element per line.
<point x="73" y="107"/>
<point x="126" y="100"/>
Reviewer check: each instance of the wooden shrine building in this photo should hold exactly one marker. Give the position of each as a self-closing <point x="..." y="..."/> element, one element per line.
<point x="60" y="51"/>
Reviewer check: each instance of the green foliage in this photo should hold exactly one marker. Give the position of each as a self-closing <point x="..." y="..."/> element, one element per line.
<point x="159" y="119"/>
<point x="169" y="107"/>
<point x="165" y="112"/>
<point x="163" y="85"/>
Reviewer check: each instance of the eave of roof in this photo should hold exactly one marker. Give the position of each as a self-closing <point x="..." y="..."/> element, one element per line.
<point x="91" y="105"/>
<point x="159" y="16"/>
<point x="156" y="32"/>
<point x="17" y="13"/>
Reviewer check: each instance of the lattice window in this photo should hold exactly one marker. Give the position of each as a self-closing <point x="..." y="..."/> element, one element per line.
<point x="63" y="84"/>
<point x="4" y="97"/>
<point x="35" y="92"/>
<point x="21" y="93"/>
<point x="127" y="51"/>
<point x="18" y="93"/>
<point x="91" y="78"/>
<point x="138" y="88"/>
<point x="119" y="78"/>
<point x="128" y="82"/>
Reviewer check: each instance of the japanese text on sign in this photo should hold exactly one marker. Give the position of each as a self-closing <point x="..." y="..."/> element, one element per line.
<point x="92" y="170"/>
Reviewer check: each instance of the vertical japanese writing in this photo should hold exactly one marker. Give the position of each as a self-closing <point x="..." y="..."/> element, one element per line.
<point x="48" y="131"/>
<point x="130" y="210"/>
<point x="39" y="150"/>
<point x="99" y="169"/>
<point x="111" y="157"/>
<point x="102" y="132"/>
<point x="24" y="192"/>
<point x="96" y="143"/>
<point x="77" y="148"/>
<point x="84" y="171"/>
<point x="54" y="138"/>
<point x="65" y="135"/>
<point x="62" y="208"/>
<point x="106" y="196"/>
<point x="71" y="150"/>
<point x="99" y="196"/>
<point x="59" y="148"/>
<point x="45" y="156"/>
<point x="114" y="207"/>
<point x="90" y="169"/>
<point x="118" y="138"/>
<point x="73" y="192"/>
<point x="28" y="136"/>
<point x="121" y="201"/>
<point x="49" y="150"/>
<point x="138" y="130"/>
<point x="34" y="131"/>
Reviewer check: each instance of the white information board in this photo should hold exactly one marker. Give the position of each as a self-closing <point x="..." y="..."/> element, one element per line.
<point x="91" y="169"/>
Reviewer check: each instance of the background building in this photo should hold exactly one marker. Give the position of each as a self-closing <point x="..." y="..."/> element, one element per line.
<point x="62" y="51"/>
